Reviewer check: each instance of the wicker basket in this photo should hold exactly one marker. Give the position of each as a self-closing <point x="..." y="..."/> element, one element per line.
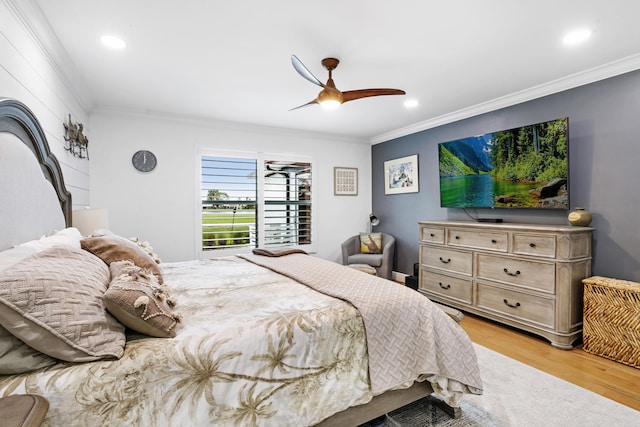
<point x="612" y="319"/>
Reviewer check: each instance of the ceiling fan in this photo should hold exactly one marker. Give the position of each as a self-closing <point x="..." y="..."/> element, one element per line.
<point x="330" y="97"/>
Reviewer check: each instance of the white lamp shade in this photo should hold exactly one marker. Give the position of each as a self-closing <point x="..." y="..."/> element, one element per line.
<point x="89" y="220"/>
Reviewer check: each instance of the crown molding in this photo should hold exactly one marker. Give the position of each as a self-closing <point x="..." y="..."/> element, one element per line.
<point x="612" y="69"/>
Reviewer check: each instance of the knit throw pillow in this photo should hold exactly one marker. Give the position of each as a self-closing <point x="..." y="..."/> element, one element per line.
<point x="52" y="301"/>
<point x="139" y="302"/>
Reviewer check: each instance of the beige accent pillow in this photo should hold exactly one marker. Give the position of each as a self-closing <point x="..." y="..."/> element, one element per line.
<point x="111" y="248"/>
<point x="137" y="300"/>
<point x="52" y="301"/>
<point x="16" y="357"/>
<point x="371" y="243"/>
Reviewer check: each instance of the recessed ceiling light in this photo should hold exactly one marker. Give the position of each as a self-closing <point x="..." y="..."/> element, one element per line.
<point x="113" y="42"/>
<point x="411" y="103"/>
<point x="576" y="37"/>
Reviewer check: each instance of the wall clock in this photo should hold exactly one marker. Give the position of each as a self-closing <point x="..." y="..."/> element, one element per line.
<point x="144" y="161"/>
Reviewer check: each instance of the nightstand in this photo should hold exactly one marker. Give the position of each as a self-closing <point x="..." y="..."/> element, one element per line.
<point x="23" y="410"/>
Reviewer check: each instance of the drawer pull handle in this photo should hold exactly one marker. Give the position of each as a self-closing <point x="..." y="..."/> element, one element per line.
<point x="444" y="286"/>
<point x="508" y="304"/>
<point x="494" y="241"/>
<point x="447" y="261"/>
<point x="532" y="245"/>
<point x="517" y="273"/>
<point x="456" y="237"/>
<point x="432" y="235"/>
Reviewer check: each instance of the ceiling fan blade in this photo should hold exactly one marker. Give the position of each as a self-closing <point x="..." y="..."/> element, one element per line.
<point x="315" y="101"/>
<point x="351" y="95"/>
<point x="304" y="72"/>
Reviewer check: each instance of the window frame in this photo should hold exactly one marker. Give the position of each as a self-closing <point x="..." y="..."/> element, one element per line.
<point x="260" y="158"/>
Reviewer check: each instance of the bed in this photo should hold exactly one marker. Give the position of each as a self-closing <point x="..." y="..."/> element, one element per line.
<point x="110" y="335"/>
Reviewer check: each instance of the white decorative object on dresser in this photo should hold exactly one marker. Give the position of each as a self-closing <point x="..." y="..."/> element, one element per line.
<point x="523" y="275"/>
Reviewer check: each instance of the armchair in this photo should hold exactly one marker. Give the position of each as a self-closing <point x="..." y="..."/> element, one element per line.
<point x="383" y="262"/>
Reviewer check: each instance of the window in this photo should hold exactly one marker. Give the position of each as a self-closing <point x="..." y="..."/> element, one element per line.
<point x="249" y="202"/>
<point x="229" y="198"/>
<point x="287" y="203"/>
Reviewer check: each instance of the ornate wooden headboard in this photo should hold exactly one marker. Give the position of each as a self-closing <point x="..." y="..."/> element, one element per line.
<point x="26" y="211"/>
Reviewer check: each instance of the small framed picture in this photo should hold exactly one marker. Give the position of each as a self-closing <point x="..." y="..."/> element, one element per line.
<point x="345" y="181"/>
<point x="401" y="175"/>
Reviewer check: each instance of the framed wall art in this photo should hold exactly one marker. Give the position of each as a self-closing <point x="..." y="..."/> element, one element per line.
<point x="401" y="175"/>
<point x="345" y="181"/>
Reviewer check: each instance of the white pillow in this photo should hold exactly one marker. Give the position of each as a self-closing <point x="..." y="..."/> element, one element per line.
<point x="68" y="237"/>
<point x="13" y="256"/>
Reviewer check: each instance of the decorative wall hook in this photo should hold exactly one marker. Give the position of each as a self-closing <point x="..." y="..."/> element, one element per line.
<point x="78" y="143"/>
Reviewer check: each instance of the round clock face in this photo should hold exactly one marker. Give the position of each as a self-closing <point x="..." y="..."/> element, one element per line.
<point x="144" y="161"/>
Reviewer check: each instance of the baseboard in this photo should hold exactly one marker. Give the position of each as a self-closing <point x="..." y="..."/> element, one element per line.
<point x="398" y="277"/>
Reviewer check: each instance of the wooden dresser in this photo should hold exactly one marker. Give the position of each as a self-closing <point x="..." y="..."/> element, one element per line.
<point x="524" y="275"/>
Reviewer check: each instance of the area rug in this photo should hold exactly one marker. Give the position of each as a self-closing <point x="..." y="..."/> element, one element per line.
<point x="518" y="395"/>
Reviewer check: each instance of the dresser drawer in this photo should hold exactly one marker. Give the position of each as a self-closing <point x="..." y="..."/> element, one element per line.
<point x="516" y="304"/>
<point x="447" y="259"/>
<point x="489" y="240"/>
<point x="531" y="274"/>
<point x="447" y="286"/>
<point x="542" y="245"/>
<point x="432" y="234"/>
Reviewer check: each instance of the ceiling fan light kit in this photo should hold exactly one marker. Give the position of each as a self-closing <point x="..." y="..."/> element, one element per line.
<point x="330" y="104"/>
<point x="330" y="97"/>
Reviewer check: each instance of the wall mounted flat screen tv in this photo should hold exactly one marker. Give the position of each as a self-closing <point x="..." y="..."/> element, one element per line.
<point x="524" y="167"/>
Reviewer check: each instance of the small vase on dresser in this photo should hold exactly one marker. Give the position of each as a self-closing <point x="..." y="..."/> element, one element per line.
<point x="580" y="217"/>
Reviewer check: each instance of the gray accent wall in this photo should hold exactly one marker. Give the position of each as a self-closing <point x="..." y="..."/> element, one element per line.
<point x="604" y="172"/>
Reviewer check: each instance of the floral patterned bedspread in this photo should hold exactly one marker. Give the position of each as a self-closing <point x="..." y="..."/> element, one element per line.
<point x="255" y="348"/>
<point x="408" y="337"/>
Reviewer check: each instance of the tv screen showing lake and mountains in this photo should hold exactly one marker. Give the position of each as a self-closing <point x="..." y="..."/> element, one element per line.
<point x="524" y="167"/>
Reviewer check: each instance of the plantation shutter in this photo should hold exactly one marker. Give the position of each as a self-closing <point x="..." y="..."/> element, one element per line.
<point x="251" y="202"/>
<point x="229" y="199"/>
<point x="287" y="203"/>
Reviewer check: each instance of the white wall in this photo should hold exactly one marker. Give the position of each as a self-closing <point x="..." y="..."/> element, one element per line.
<point x="161" y="206"/>
<point x="29" y="74"/>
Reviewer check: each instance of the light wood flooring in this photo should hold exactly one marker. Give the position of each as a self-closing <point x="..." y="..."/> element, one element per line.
<point x="608" y="378"/>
